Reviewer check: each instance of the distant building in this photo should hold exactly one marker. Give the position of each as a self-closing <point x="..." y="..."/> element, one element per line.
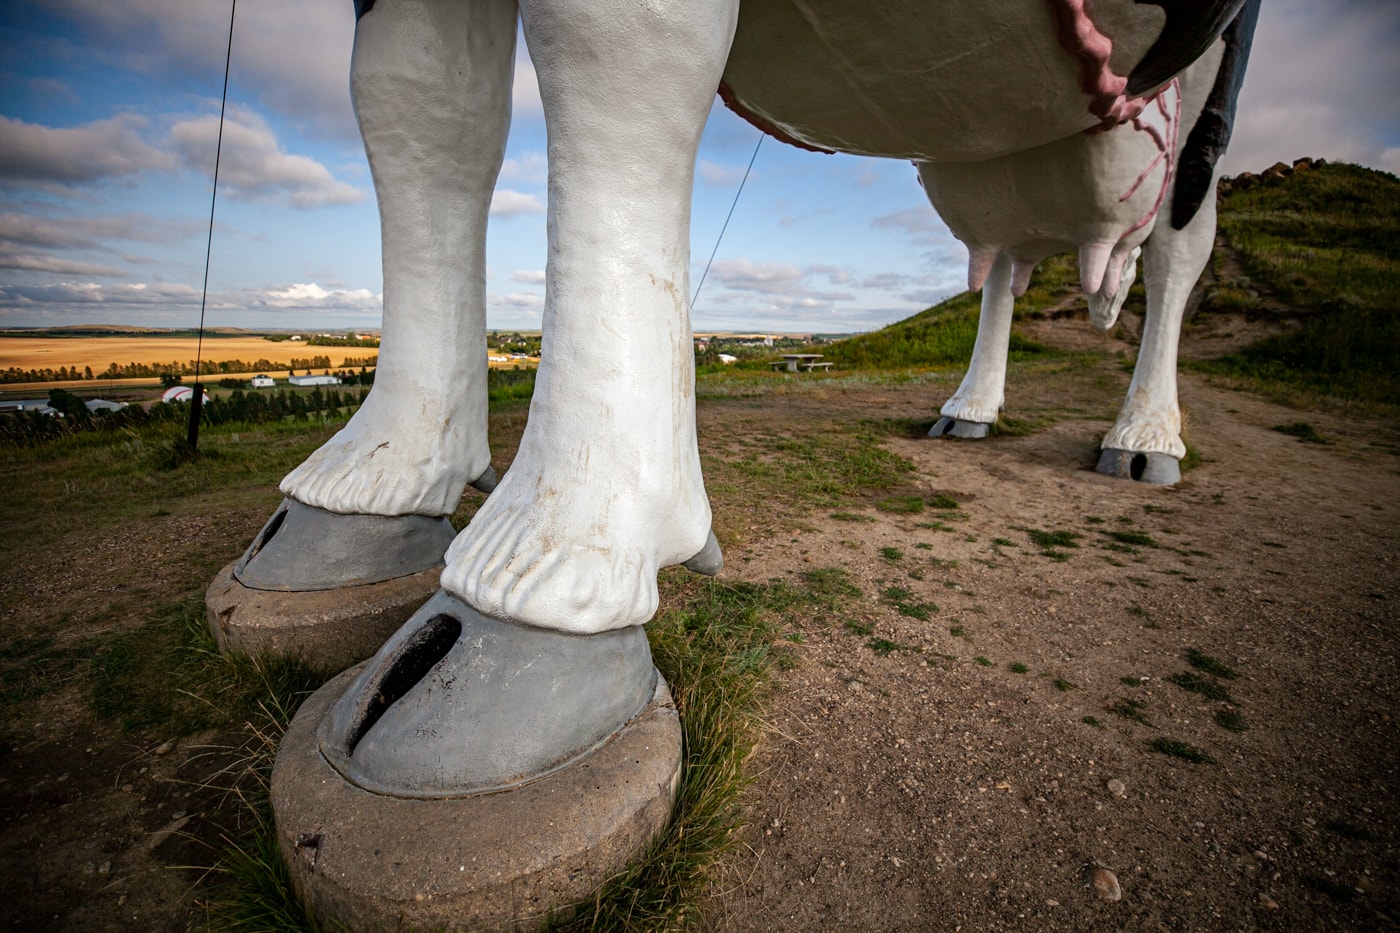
<point x="309" y="380"/>
<point x="41" y="405"/>
<point x="101" y="404"/>
<point x="726" y="359"/>
<point x="261" y="381"/>
<point x="180" y="394"/>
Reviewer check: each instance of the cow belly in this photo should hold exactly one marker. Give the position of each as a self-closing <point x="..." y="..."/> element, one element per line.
<point x="931" y="80"/>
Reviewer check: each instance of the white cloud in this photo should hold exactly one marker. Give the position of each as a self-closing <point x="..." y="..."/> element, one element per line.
<point x="102" y="149"/>
<point x="94" y="233"/>
<point x="718" y="175"/>
<point x="530" y="167"/>
<point x="294" y="56"/>
<point x="44" y="262"/>
<point x="528" y="276"/>
<point x="254" y="166"/>
<point x="311" y="296"/>
<point x="530" y="300"/>
<point x="507" y="203"/>
<point x="1321" y="82"/>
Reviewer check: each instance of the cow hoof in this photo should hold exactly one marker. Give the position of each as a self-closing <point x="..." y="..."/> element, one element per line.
<point x="486" y="482"/>
<point x="1152" y="468"/>
<point x="458" y="703"/>
<point x="709" y="561"/>
<point x="956" y="427"/>
<point x="304" y="548"/>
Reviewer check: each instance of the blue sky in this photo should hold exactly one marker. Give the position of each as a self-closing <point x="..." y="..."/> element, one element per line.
<point x="109" y="112"/>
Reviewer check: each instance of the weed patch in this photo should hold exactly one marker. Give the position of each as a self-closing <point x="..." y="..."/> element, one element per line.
<point x="1209" y="689"/>
<point x="1183" y="750"/>
<point x="1204" y="662"/>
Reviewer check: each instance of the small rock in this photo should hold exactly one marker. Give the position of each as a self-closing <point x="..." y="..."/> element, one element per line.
<point x="121" y="900"/>
<point x="179" y="814"/>
<point x="89" y="868"/>
<point x="105" y="868"/>
<point x="1267" y="901"/>
<point x="1105" y="884"/>
<point x="164" y="748"/>
<point x="161" y="835"/>
<point x="1117" y="788"/>
<point x="128" y="788"/>
<point x="1052" y="903"/>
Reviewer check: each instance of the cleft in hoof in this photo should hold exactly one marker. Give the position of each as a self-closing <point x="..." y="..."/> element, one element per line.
<point x="955" y="427"/>
<point x="326" y="588"/>
<point x="1152" y="468"/>
<point x="457" y="703"/>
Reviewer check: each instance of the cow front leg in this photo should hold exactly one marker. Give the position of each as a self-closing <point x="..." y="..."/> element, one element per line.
<point x="972" y="410"/>
<point x="357" y="544"/>
<point x="550" y="583"/>
<point x="1145" y="442"/>
<point x="431" y="83"/>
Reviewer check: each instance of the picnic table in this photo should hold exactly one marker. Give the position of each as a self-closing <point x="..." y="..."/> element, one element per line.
<point x="792" y="362"/>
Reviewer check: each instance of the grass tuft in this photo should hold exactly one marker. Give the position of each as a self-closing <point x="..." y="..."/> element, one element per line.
<point x="1182" y="750"/>
<point x="1209" y="689"/>
<point x="1204" y="662"/>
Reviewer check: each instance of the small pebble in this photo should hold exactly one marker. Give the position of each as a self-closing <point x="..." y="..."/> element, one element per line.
<point x="1268" y="902"/>
<point x="1105" y="884"/>
<point x="105" y="868"/>
<point x="128" y="788"/>
<point x="164" y="748"/>
<point x="1117" y="788"/>
<point x="121" y="900"/>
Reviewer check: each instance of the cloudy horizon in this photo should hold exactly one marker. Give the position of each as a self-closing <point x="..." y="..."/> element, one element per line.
<point x="109" y="117"/>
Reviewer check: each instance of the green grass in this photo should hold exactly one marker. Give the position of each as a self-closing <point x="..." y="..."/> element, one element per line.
<point x="884" y="647"/>
<point x="1182" y="750"/>
<point x="1016" y="667"/>
<point x="903" y="602"/>
<point x="1325" y="242"/>
<point x="891" y="554"/>
<point x="1048" y="540"/>
<point x="1204" y="662"/>
<point x="1229" y="719"/>
<point x="1208" y="688"/>
<point x="1302" y="430"/>
<point x="985" y="662"/>
<point x="1132" y="538"/>
<point x="901" y="505"/>
<point x="1130" y="709"/>
<point x="1062" y="685"/>
<point x="943" y="501"/>
<point x="1093" y="721"/>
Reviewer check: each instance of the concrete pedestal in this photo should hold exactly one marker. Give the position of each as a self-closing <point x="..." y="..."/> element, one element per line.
<point x="328" y="629"/>
<point x="492" y="861"/>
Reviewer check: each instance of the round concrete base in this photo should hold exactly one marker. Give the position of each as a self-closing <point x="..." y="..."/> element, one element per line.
<point x="328" y="629"/>
<point x="496" y="861"/>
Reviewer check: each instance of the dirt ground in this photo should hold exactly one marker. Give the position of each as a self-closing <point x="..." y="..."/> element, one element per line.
<point x="961" y="771"/>
<point x="937" y="787"/>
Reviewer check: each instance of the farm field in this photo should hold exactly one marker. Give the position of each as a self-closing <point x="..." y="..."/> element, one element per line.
<point x="100" y="352"/>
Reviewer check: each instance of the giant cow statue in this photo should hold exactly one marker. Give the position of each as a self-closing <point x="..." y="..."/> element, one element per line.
<point x="532" y="653"/>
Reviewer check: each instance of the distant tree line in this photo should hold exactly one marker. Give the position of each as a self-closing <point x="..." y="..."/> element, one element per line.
<point x="30" y="429"/>
<point x="154" y="370"/>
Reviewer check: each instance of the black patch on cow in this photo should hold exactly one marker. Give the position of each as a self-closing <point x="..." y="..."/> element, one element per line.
<point x="362" y="7"/>
<point x="1211" y="134"/>
<point x="1191" y="27"/>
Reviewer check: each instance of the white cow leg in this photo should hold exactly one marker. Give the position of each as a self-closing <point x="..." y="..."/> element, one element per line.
<point x="606" y="487"/>
<point x="1145" y="443"/>
<point x="431" y="83"/>
<point x="533" y="653"/>
<point x="972" y="410"/>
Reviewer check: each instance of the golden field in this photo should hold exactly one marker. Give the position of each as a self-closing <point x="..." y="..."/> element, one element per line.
<point x="100" y="352"/>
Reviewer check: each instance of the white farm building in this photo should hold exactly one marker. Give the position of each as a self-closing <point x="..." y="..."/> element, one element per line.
<point x="261" y="381"/>
<point x="310" y="380"/>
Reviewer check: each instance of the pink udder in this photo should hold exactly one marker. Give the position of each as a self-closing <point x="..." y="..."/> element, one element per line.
<point x="1082" y="39"/>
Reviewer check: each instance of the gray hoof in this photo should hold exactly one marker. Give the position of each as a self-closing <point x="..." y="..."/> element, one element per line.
<point x="303" y="548"/>
<point x="953" y="427"/>
<point x="458" y="703"/>
<point x="1152" y="468"/>
<point x="486" y="482"/>
<point x="709" y="561"/>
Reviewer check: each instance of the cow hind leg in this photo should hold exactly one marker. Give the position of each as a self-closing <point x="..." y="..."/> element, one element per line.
<point x="972" y="410"/>
<point x="1145" y="442"/>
